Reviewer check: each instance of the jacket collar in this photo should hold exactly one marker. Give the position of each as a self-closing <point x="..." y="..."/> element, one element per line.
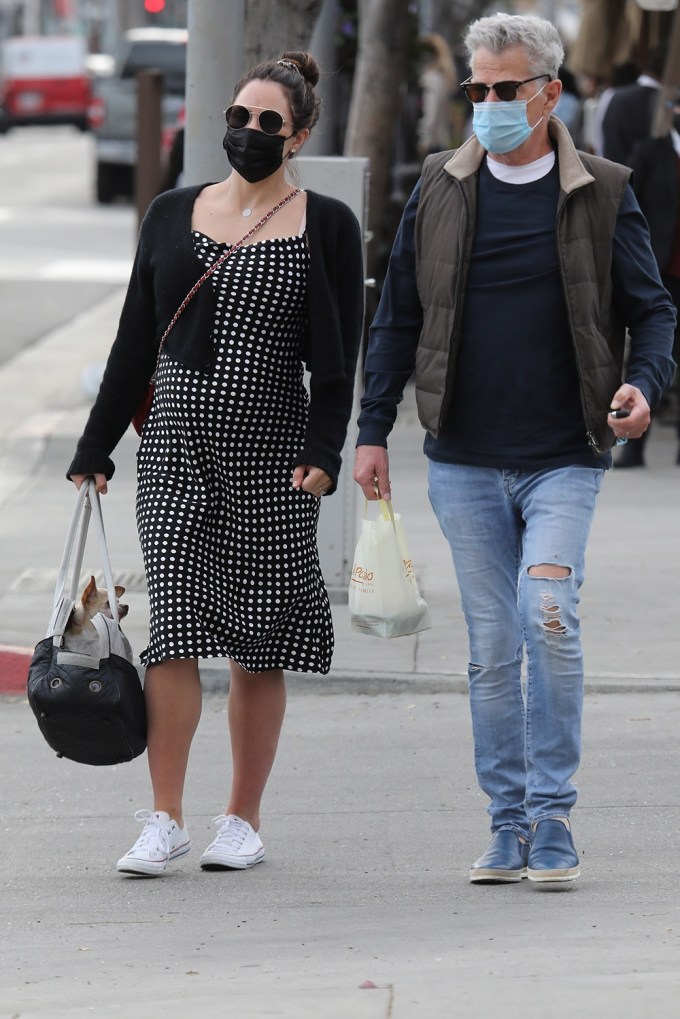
<point x="466" y="160"/>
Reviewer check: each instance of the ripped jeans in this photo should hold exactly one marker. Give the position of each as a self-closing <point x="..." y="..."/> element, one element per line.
<point x="499" y="525"/>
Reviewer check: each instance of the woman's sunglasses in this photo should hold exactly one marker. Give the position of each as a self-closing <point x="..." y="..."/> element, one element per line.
<point x="477" y="91"/>
<point x="270" y="121"/>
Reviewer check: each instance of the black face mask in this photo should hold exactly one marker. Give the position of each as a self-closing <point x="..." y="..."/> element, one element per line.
<point x="253" y="154"/>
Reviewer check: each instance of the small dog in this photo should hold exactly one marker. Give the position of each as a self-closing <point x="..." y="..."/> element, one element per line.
<point x="80" y="635"/>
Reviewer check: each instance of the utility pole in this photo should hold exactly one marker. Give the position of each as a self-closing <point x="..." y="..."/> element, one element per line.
<point x="214" y="65"/>
<point x="148" y="169"/>
<point x="322" y="47"/>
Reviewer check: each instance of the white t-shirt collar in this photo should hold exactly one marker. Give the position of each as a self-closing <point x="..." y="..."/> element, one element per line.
<point x="648" y="81"/>
<point x="525" y="174"/>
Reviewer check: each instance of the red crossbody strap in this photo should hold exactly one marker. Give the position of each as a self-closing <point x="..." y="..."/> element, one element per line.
<point x="223" y="257"/>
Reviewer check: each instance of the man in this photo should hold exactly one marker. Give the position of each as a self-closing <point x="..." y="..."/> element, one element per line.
<point x="630" y="110"/>
<point x="516" y="266"/>
<point x="656" y="180"/>
<point x="626" y="122"/>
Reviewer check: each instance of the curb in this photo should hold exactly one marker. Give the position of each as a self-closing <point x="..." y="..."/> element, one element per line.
<point x="14" y="664"/>
<point x="15" y="661"/>
<point x="371" y="684"/>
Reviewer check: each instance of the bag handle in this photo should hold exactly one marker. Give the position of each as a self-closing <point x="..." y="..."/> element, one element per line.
<point x="223" y="257"/>
<point x="87" y="504"/>
<point x="384" y="506"/>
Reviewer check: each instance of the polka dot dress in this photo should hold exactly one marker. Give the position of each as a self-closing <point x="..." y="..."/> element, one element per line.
<point x="229" y="547"/>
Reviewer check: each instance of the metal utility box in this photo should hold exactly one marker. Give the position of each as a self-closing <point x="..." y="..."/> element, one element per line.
<point x="345" y="178"/>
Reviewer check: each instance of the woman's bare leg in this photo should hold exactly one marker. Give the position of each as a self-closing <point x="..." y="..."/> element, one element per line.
<point x="257" y="704"/>
<point x="173" y="695"/>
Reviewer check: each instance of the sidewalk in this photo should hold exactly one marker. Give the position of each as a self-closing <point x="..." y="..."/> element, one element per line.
<point x="628" y="601"/>
<point x="362" y="908"/>
<point x="371" y="819"/>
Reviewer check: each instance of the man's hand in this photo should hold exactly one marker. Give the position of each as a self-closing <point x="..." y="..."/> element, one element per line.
<point x="371" y="469"/>
<point x="636" y="424"/>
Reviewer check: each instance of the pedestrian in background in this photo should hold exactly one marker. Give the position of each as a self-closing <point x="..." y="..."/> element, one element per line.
<point x="630" y="109"/>
<point x="570" y="106"/>
<point x="596" y="104"/>
<point x="234" y="455"/>
<point x="437" y="82"/>
<point x="656" y="179"/>
<point x="517" y="265"/>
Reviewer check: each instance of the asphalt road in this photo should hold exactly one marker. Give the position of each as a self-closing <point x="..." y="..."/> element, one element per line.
<point x="60" y="254"/>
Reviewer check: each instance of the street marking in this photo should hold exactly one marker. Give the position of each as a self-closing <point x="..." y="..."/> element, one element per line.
<point x="36" y="579"/>
<point x="69" y="270"/>
<point x="115" y="270"/>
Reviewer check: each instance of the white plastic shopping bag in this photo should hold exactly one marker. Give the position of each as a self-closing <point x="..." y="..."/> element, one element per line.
<point x="384" y="600"/>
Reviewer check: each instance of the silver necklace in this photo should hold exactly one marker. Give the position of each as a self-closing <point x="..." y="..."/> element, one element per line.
<point x="247" y="211"/>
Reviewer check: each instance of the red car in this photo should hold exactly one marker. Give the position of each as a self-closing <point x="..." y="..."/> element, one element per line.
<point x="44" y="80"/>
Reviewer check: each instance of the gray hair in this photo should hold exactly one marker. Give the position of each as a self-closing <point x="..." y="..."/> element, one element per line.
<point x="539" y="38"/>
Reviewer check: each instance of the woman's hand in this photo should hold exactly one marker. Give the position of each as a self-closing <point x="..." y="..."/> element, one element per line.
<point x="311" y="479"/>
<point x="99" y="481"/>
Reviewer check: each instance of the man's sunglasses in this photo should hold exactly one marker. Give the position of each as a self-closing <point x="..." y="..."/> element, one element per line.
<point x="477" y="91"/>
<point x="270" y="121"/>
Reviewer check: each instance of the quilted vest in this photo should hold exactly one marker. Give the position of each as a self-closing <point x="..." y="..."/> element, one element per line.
<point x="591" y="190"/>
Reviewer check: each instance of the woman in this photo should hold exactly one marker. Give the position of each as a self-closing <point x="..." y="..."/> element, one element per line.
<point x="234" y="456"/>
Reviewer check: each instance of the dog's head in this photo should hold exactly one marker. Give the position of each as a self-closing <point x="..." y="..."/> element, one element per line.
<point x="93" y="601"/>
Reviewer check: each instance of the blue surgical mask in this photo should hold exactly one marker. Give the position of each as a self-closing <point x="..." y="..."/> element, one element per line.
<point x="502" y="127"/>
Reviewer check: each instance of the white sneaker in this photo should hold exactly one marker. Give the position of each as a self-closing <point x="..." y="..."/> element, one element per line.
<point x="237" y="845"/>
<point x="161" y="842"/>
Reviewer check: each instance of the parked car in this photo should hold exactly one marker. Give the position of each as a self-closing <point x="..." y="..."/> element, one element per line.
<point x="44" y="80"/>
<point x="113" y="110"/>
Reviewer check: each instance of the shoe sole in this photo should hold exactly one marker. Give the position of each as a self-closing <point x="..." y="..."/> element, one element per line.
<point x="568" y="874"/>
<point x="488" y="876"/>
<point x="146" y="868"/>
<point x="210" y="862"/>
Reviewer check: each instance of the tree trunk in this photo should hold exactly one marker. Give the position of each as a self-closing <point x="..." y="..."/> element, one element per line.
<point x="273" y="26"/>
<point x="374" y="106"/>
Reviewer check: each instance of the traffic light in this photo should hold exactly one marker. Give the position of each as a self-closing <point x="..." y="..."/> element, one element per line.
<point x="154" y="6"/>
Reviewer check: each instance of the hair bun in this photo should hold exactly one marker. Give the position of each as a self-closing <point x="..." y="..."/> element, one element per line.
<point x="306" y="65"/>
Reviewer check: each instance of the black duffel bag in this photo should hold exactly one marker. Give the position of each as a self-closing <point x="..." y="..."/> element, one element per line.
<point x="89" y="707"/>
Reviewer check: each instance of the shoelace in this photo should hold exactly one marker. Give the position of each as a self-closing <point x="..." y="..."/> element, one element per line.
<point x="153" y="831"/>
<point x="231" y="831"/>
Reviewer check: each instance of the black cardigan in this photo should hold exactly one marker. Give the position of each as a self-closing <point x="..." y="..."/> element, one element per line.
<point x="165" y="269"/>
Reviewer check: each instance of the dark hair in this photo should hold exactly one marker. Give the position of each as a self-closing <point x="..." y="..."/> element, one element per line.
<point x="297" y="73"/>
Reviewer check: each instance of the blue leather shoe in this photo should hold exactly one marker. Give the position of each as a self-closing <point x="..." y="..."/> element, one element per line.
<point x="552" y="856"/>
<point x="504" y="861"/>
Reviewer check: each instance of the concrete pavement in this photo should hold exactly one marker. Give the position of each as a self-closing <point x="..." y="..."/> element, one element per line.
<point x="372" y="816"/>
<point x="371" y="819"/>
